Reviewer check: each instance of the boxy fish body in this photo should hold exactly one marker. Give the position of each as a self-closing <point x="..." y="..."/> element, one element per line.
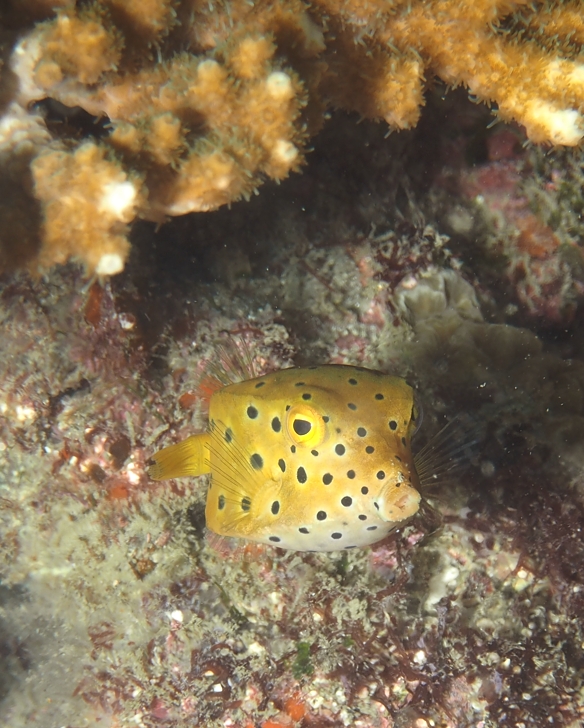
<point x="308" y="459"/>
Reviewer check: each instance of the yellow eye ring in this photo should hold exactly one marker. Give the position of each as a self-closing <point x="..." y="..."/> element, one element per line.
<point x="305" y="426"/>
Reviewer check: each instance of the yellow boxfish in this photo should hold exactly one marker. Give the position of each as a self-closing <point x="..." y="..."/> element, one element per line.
<point x="308" y="459"/>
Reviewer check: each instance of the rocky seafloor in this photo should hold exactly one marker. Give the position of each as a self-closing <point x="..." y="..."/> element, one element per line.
<point x="451" y="255"/>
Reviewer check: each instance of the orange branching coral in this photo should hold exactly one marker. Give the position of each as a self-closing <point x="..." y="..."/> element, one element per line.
<point x="87" y="199"/>
<point x="469" y="42"/>
<point x="205" y="100"/>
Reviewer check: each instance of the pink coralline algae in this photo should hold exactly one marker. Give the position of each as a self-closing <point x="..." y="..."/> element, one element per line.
<point x="538" y="264"/>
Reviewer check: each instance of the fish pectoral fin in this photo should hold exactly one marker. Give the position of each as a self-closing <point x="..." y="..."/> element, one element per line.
<point x="189" y="457"/>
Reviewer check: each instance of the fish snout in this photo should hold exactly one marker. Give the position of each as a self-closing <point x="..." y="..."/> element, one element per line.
<point x="399" y="502"/>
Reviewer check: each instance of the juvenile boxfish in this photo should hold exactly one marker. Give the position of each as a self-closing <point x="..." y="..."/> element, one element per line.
<point x="308" y="459"/>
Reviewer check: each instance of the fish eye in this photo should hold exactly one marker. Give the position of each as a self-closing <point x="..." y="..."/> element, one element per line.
<point x="305" y="425"/>
<point x="301" y="427"/>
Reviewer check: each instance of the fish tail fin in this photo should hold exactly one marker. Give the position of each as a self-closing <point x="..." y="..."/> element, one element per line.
<point x="189" y="457"/>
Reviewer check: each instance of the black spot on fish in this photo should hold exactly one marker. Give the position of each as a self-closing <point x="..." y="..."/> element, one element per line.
<point x="276" y="424"/>
<point x="301" y="475"/>
<point x="336" y="535"/>
<point x="245" y="504"/>
<point x="404" y="441"/>
<point x="307" y="395"/>
<point x="352" y="406"/>
<point x="257" y="461"/>
<point x="340" y="449"/>
<point x="228" y="435"/>
<point x="364" y="490"/>
<point x="392" y="425"/>
<point x="380" y="475"/>
<point x="259" y="384"/>
<point x="221" y="502"/>
<point x="276" y="507"/>
<point x="362" y="517"/>
<point x="292" y="448"/>
<point x="362" y="432"/>
<point x="352" y="381"/>
<point x="379" y="396"/>
<point x="350" y="474"/>
<point x="314" y="452"/>
<point x="321" y="516"/>
<point x="372" y="528"/>
<point x="252" y="412"/>
<point x="282" y="464"/>
<point x="369" y="449"/>
<point x="275" y="539"/>
<point x="299" y="384"/>
<point x="327" y="478"/>
<point x="325" y="418"/>
<point x="376" y="505"/>
<point x="347" y="501"/>
<point x="303" y="530"/>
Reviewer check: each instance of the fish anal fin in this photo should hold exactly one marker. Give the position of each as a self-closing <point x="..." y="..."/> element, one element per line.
<point x="189" y="457"/>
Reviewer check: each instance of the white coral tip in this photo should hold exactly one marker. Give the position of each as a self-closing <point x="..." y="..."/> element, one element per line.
<point x="279" y="86"/>
<point x="118" y="199"/>
<point x="109" y="264"/>
<point x="284" y="152"/>
<point x="563" y="126"/>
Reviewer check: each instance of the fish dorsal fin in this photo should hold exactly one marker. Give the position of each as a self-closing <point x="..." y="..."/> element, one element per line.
<point x="207" y="386"/>
<point x="233" y="362"/>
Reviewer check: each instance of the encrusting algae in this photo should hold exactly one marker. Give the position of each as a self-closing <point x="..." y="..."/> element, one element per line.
<point x="308" y="459"/>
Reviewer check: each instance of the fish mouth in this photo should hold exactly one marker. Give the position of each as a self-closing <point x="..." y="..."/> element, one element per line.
<point x="399" y="505"/>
